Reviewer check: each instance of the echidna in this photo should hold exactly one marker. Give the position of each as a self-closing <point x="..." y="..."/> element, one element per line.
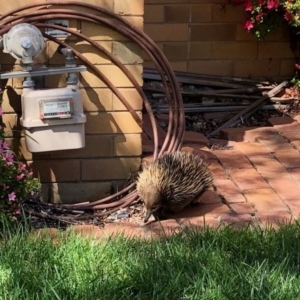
<point x="172" y="182"/>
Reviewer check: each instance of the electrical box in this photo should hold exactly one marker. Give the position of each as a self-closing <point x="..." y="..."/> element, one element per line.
<point x="53" y="119"/>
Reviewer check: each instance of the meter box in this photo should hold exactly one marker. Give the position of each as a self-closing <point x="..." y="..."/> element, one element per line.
<point x="53" y="119"/>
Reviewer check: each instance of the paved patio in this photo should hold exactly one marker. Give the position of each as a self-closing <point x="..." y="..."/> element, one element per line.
<point x="256" y="181"/>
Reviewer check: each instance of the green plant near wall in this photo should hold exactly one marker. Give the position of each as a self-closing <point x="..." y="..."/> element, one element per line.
<point x="16" y="181"/>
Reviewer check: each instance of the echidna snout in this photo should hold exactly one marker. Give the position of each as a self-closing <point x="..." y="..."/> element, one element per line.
<point x="152" y="201"/>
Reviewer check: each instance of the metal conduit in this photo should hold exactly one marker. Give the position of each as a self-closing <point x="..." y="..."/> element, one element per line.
<point x="176" y="125"/>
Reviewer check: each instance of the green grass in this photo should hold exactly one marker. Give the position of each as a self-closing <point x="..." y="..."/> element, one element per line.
<point x="223" y="264"/>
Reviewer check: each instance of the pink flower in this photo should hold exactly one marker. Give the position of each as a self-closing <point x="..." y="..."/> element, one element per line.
<point x="259" y="16"/>
<point x="19" y="177"/>
<point x="23" y="167"/>
<point x="297" y="66"/>
<point x="272" y="4"/>
<point x="288" y="16"/>
<point x="30" y="174"/>
<point x="248" y="25"/>
<point x="261" y="2"/>
<point x="12" y="196"/>
<point x="1" y="111"/>
<point x="248" y="6"/>
<point x="18" y="212"/>
<point x="4" y="145"/>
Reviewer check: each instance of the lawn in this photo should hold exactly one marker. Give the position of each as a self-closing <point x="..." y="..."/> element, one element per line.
<point x="212" y="264"/>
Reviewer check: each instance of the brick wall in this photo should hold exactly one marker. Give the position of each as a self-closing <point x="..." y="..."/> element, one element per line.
<point x="199" y="36"/>
<point x="113" y="139"/>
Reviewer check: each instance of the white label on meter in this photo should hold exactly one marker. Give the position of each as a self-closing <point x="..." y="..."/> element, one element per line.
<point x="61" y="108"/>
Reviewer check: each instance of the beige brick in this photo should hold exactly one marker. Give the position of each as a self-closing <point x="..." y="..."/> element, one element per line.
<point x="232" y="14"/>
<point x="166" y="1"/>
<point x="211" y="67"/>
<point x="127" y="53"/>
<point x="133" y="98"/>
<point x="110" y="169"/>
<point x="88" y="51"/>
<point x="75" y="192"/>
<point x="95" y="146"/>
<point x="129" y="7"/>
<point x="114" y="74"/>
<point x="201" y="13"/>
<point x="154" y="14"/>
<point x="234" y="50"/>
<point x="11" y="100"/>
<point x="287" y="67"/>
<point x="177" y="13"/>
<point x="207" y="1"/>
<point x="107" y="4"/>
<point x="167" y="32"/>
<point x="56" y="81"/>
<point x="256" y="68"/>
<point x="212" y="32"/>
<point x="97" y="99"/>
<point x="56" y="170"/>
<point x="176" y="51"/>
<point x="12" y="126"/>
<point x="118" y="122"/>
<point x="275" y="50"/>
<point x="127" y="145"/>
<point x="243" y="35"/>
<point x="200" y="50"/>
<point x="179" y="65"/>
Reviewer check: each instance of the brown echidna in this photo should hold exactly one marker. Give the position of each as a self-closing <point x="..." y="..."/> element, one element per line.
<point x="172" y="182"/>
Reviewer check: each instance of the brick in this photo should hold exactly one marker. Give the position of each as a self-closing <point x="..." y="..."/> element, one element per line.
<point x="147" y="128"/>
<point x="195" y="137"/>
<point x="71" y="192"/>
<point x="275" y="50"/>
<point x="129" y="7"/>
<point x="177" y="13"/>
<point x="265" y="200"/>
<point x="154" y="14"/>
<point x="212" y="32"/>
<point x="211" y="67"/>
<point x="216" y="143"/>
<point x="274" y="143"/>
<point x="208" y="197"/>
<point x="179" y="65"/>
<point x="18" y="146"/>
<point x="206" y="1"/>
<point x="167" y="32"/>
<point x="11" y="124"/>
<point x="247" y="134"/>
<point x="127" y="145"/>
<point x="201" y="151"/>
<point x="292" y="136"/>
<point x="200" y="50"/>
<point x="269" y="167"/>
<point x="113" y="74"/>
<point x="296" y="144"/>
<point x="233" y="14"/>
<point x="95" y="146"/>
<point x="242" y="208"/>
<point x="297" y="118"/>
<point x="233" y="50"/>
<point x="238" y="220"/>
<point x="126" y="230"/>
<point x="288" y="158"/>
<point x="285" y="124"/>
<point x="227" y="188"/>
<point x="56" y="170"/>
<point x="11" y="99"/>
<point x="287" y="67"/>
<point x="244" y="35"/>
<point x="201" y="13"/>
<point x="127" y="53"/>
<point x="232" y="159"/>
<point x="200" y="222"/>
<point x="216" y="169"/>
<point x="163" y="228"/>
<point x="295" y="173"/>
<point x="166" y="1"/>
<point x="294" y="206"/>
<point x="97" y="99"/>
<point x="274" y="219"/>
<point x="286" y="188"/>
<point x="109" y="168"/>
<point x="131" y="95"/>
<point x="256" y="68"/>
<point x="87" y="230"/>
<point x="252" y="149"/>
<point x="176" y="51"/>
<point x="116" y="122"/>
<point x="248" y="179"/>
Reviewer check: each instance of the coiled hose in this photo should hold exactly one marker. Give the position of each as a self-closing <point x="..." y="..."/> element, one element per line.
<point x="176" y="125"/>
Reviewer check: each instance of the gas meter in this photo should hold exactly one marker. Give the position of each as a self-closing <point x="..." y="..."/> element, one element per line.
<point x="53" y="119"/>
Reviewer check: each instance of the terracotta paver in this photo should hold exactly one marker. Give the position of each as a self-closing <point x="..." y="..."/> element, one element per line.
<point x="248" y="179"/>
<point x="256" y="182"/>
<point x="232" y="159"/>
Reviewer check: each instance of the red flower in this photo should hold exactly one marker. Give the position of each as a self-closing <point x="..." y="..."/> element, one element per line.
<point x="288" y="16"/>
<point x="248" y="6"/>
<point x="272" y="4"/>
<point x="248" y="25"/>
<point x="297" y="66"/>
<point x="259" y="16"/>
<point x="261" y="2"/>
